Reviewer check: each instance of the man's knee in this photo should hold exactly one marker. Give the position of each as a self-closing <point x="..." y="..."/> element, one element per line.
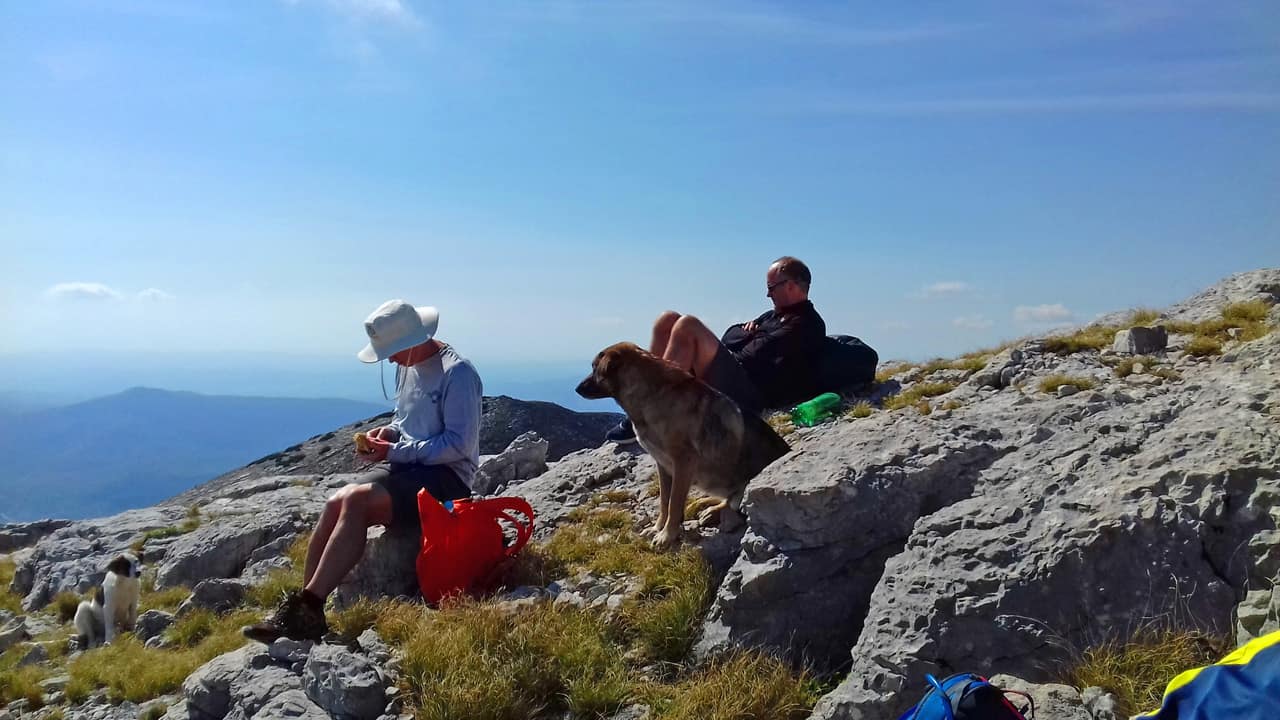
<point x="690" y="326"/>
<point x="666" y="320"/>
<point x="356" y="499"/>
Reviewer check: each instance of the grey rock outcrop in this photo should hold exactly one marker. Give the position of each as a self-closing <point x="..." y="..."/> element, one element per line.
<point x="216" y="594"/>
<point x="1052" y="701"/>
<point x="14" y="536"/>
<point x="344" y="684"/>
<point x="576" y="478"/>
<point x="151" y="624"/>
<point x="388" y="568"/>
<point x="524" y="458"/>
<point x="1141" y="340"/>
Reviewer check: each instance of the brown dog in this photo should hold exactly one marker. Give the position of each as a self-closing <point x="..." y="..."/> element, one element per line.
<point x="697" y="435"/>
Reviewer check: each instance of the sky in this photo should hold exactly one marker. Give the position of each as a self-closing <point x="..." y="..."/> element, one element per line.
<point x="244" y="181"/>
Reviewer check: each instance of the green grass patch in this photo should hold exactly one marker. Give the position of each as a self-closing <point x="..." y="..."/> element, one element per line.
<point x="8" y="601"/>
<point x="860" y="410"/>
<point x="1053" y="382"/>
<point x="1093" y="337"/>
<point x="917" y="392"/>
<point x="129" y="671"/>
<point x="1136" y="671"/>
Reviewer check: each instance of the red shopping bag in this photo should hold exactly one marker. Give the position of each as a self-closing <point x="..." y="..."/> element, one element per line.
<point x="462" y="548"/>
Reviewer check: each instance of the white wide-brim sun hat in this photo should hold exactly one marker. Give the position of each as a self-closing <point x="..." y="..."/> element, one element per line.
<point x="396" y="325"/>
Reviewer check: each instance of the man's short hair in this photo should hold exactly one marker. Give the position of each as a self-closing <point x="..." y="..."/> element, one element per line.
<point x="794" y="270"/>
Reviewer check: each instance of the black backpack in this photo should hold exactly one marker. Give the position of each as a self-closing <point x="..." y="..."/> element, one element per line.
<point x="846" y="361"/>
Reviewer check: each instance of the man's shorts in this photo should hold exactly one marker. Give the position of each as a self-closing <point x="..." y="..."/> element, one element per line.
<point x="402" y="482"/>
<point x="728" y="376"/>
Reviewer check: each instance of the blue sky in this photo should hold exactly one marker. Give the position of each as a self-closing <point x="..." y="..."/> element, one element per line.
<point x="244" y="178"/>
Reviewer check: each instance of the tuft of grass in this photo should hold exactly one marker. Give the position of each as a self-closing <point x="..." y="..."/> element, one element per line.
<point x="8" y="601"/>
<point x="1241" y="313"/>
<point x="924" y="408"/>
<point x="1124" y="368"/>
<point x="64" y="605"/>
<point x="1053" y="382"/>
<point x="1142" y="316"/>
<point x="952" y="405"/>
<point x="1203" y="346"/>
<point x="860" y="410"/>
<point x="17" y="683"/>
<point x="888" y="371"/>
<point x="912" y="396"/>
<point x="167" y="599"/>
<point x="356" y="618"/>
<point x="153" y="712"/>
<point x="473" y="660"/>
<point x="57" y="714"/>
<point x="1092" y="337"/>
<point x="781" y="424"/>
<point x="282" y="580"/>
<point x="129" y="671"/>
<point x="1164" y="373"/>
<point x="1137" y="670"/>
<point x="743" y="686"/>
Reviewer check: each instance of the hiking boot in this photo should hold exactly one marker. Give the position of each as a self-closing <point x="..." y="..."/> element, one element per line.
<point x="296" y="617"/>
<point x="623" y="433"/>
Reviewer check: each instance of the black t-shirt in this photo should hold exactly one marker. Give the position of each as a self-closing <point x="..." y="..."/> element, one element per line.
<point x="782" y="355"/>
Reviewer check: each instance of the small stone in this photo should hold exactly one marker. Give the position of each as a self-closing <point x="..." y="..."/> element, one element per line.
<point x="1067" y="390"/>
<point x="35" y="655"/>
<point x="1139" y="368"/>
<point x="1233" y="333"/>
<point x="288" y="651"/>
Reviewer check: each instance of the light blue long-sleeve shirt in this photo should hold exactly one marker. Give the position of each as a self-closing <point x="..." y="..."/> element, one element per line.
<point x="438" y="414"/>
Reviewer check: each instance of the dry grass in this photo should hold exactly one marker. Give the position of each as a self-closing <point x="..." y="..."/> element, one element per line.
<point x="1137" y="671"/>
<point x="912" y="396"/>
<point x="1093" y="337"/>
<point x="129" y="671"/>
<point x="64" y="605"/>
<point x="1124" y="368"/>
<point x="1053" y="382"/>
<point x="8" y="601"/>
<point x="888" y="371"/>
<point x="952" y="405"/>
<point x="781" y="423"/>
<point x="1246" y="312"/>
<point x="742" y="686"/>
<point x="860" y="410"/>
<point x="1203" y="346"/>
<point x="20" y="682"/>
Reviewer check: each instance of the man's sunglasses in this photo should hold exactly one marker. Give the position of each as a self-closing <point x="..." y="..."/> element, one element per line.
<point x="770" y="287"/>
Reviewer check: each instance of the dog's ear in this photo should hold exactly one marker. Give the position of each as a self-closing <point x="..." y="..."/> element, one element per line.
<point x="119" y="566"/>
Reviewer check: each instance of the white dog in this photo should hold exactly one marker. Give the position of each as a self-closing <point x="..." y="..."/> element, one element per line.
<point x="114" y="605"/>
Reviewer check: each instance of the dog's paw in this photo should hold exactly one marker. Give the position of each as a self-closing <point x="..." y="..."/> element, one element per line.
<point x="666" y="538"/>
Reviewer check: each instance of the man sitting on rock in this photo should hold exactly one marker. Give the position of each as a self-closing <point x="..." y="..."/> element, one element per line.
<point x="433" y="443"/>
<point x="768" y="362"/>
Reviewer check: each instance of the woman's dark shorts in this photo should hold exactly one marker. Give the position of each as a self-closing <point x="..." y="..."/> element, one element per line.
<point x="403" y="481"/>
<point x="728" y="376"/>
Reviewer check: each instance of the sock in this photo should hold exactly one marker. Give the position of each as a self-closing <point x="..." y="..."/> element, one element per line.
<point x="313" y="600"/>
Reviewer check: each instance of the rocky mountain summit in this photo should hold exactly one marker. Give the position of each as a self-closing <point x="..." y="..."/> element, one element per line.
<point x="998" y="513"/>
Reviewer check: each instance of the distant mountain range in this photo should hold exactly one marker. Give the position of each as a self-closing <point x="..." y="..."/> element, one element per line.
<point x="138" y="447"/>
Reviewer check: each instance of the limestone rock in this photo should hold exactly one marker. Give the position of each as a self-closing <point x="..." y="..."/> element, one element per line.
<point x="14" y="536"/>
<point x="216" y="594"/>
<point x="575" y="479"/>
<point x="524" y="458"/>
<point x="291" y="705"/>
<point x="13" y="632"/>
<point x="1052" y="701"/>
<point x="388" y="568"/>
<point x="221" y="549"/>
<point x="344" y="684"/>
<point x="1140" y="340"/>
<point x="151" y="624"/>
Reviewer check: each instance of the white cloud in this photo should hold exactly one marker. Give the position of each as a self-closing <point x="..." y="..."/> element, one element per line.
<point x="972" y="322"/>
<point x="155" y="295"/>
<point x="82" y="291"/>
<point x="1041" y="313"/>
<point x="947" y="288"/>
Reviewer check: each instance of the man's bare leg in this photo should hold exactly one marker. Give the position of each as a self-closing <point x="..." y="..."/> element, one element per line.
<point x="360" y="507"/>
<point x="691" y="345"/>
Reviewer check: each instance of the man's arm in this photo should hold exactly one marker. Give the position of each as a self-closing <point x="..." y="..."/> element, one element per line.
<point x="797" y="337"/>
<point x="737" y="336"/>
<point x="461" y="400"/>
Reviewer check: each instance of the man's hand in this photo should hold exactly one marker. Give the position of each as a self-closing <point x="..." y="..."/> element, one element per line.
<point x="749" y="326"/>
<point x="377" y="449"/>
<point x="385" y="433"/>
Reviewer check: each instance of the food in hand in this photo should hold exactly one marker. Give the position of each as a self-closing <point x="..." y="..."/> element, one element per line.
<point x="362" y="444"/>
